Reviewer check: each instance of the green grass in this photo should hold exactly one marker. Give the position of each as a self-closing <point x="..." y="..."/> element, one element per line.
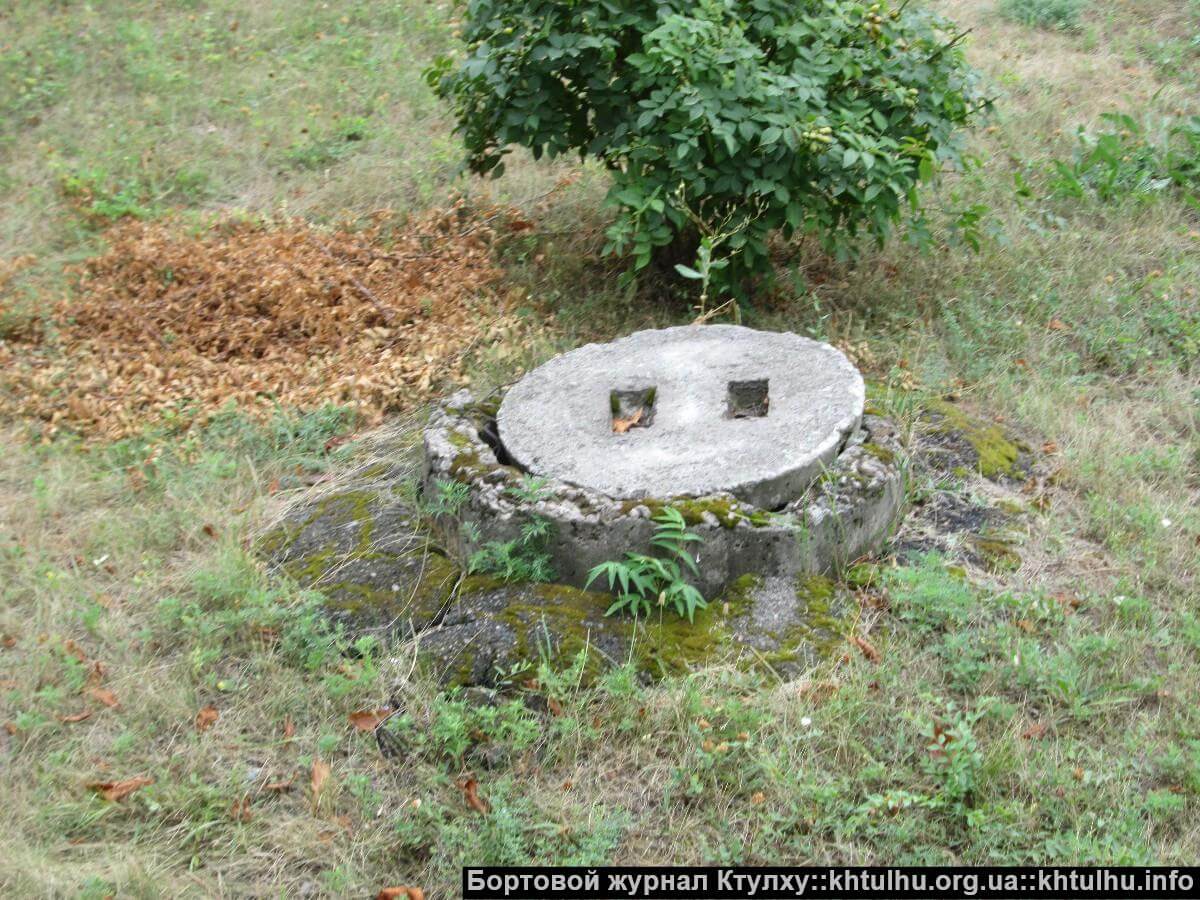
<point x="1058" y="699"/>
<point x="1044" y="13"/>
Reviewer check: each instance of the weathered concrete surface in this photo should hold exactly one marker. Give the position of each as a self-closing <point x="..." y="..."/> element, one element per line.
<point x="986" y="472"/>
<point x="845" y="513"/>
<point x="360" y="541"/>
<point x="557" y="422"/>
<point x="783" y="624"/>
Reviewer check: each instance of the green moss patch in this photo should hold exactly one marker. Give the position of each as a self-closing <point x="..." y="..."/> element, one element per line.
<point x="277" y="540"/>
<point x="727" y="511"/>
<point x="862" y="576"/>
<point x="821" y="629"/>
<point x="562" y="620"/>
<point x="998" y="453"/>
<point x="880" y="452"/>
<point x="557" y="621"/>
<point x="998" y="554"/>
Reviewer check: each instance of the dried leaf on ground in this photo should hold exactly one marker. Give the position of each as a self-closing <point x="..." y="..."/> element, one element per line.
<point x="816" y="689"/>
<point x="368" y="719"/>
<point x="239" y="811"/>
<point x="470" y="789"/>
<point x="401" y="893"/>
<point x="207" y="717"/>
<point x="103" y="695"/>
<point x="1069" y="602"/>
<point x="1035" y="731"/>
<point x="868" y="649"/>
<point x="320" y="774"/>
<point x="118" y="790"/>
<point x="76" y="717"/>
<point x="264" y="314"/>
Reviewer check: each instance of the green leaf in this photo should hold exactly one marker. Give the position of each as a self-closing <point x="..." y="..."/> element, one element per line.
<point x="795" y="214"/>
<point x="617" y="605"/>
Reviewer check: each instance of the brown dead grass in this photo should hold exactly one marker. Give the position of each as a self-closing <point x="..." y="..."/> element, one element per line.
<point x="167" y="324"/>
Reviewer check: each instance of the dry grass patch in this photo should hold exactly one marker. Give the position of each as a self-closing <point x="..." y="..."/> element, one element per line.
<point x="1060" y="80"/>
<point x="168" y="325"/>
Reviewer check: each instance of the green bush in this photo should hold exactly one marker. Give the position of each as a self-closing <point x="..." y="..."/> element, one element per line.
<point x="1062" y="14"/>
<point x="721" y="121"/>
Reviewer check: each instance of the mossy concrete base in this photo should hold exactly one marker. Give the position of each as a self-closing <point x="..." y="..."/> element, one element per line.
<point x="980" y="469"/>
<point x="847" y="512"/>
<point x="361" y="542"/>
<point x="778" y="625"/>
<point x="358" y="541"/>
<point x="980" y="447"/>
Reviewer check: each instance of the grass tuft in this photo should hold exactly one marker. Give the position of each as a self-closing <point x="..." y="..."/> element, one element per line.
<point x="1061" y="14"/>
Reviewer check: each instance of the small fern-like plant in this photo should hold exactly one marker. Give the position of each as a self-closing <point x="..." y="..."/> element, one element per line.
<point x="642" y="581"/>
<point x="447" y="499"/>
<point x="530" y="489"/>
<point x="524" y="559"/>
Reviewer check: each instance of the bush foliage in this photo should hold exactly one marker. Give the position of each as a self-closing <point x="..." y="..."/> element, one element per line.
<point x="721" y="121"/>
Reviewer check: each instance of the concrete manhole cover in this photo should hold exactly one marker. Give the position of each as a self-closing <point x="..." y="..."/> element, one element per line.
<point x="758" y="439"/>
<point x="689" y="411"/>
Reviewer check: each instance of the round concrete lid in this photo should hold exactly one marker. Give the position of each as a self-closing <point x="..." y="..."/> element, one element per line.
<point x="687" y="411"/>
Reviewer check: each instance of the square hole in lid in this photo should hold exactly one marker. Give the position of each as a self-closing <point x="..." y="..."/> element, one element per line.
<point x="748" y="399"/>
<point x="632" y="408"/>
